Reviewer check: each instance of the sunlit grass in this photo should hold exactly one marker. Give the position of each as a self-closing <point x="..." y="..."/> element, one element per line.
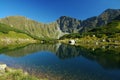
<point x="13" y="74"/>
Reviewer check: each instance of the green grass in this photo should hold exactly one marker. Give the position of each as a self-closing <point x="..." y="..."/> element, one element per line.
<point x="13" y="34"/>
<point x="6" y="28"/>
<point x="32" y="28"/>
<point x="97" y="37"/>
<point x="111" y="30"/>
<point x="15" y="74"/>
<point x="72" y="35"/>
<point x="14" y="38"/>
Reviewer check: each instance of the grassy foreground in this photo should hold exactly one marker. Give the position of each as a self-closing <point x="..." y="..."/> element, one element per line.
<point x="17" y="74"/>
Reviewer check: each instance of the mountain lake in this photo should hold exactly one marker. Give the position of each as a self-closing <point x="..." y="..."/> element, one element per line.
<point x="64" y="62"/>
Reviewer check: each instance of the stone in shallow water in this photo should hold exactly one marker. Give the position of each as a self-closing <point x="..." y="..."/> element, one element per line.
<point x="2" y="68"/>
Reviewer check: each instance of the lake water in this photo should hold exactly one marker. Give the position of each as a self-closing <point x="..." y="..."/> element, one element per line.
<point x="64" y="62"/>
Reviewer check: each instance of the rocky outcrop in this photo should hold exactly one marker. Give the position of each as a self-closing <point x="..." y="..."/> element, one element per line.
<point x="117" y="18"/>
<point x="89" y="23"/>
<point x="63" y="25"/>
<point x="72" y="25"/>
<point x="107" y="16"/>
<point x="68" y="24"/>
<point x="101" y="20"/>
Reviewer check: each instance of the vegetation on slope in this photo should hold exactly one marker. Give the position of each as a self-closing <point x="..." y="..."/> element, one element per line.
<point x="61" y="26"/>
<point x="33" y="28"/>
<point x="6" y="28"/>
<point x="71" y="36"/>
<point x="111" y="30"/>
<point x="12" y="36"/>
<point x="97" y="37"/>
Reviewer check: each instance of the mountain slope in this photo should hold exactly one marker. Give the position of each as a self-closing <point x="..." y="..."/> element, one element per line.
<point x="35" y="29"/>
<point x="107" y="16"/>
<point x="68" y="24"/>
<point x="61" y="26"/>
<point x="101" y="20"/>
<point x="110" y="30"/>
<point x="12" y="36"/>
<point x="72" y="25"/>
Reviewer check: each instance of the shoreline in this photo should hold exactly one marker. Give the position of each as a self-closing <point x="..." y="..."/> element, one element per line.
<point x="7" y="73"/>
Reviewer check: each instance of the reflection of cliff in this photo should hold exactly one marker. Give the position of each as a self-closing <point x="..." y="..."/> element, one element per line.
<point x="31" y="49"/>
<point x="67" y="51"/>
<point x="106" y="58"/>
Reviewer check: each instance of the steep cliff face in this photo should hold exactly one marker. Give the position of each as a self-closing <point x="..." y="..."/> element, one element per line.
<point x="101" y="20"/>
<point x="61" y="26"/>
<point x="36" y="29"/>
<point x="68" y="24"/>
<point x="89" y="23"/>
<point x="72" y="25"/>
<point x="107" y="16"/>
<point x="117" y="18"/>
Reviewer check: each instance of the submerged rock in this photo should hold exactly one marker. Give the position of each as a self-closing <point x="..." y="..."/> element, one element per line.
<point x="2" y="68"/>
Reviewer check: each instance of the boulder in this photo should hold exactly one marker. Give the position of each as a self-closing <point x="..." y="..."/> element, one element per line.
<point x="2" y="67"/>
<point x="72" y="42"/>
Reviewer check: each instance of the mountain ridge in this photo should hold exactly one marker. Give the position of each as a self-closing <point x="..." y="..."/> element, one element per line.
<point x="84" y="25"/>
<point x="61" y="26"/>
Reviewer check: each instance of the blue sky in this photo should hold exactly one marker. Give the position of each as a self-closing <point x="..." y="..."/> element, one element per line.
<point x="50" y="10"/>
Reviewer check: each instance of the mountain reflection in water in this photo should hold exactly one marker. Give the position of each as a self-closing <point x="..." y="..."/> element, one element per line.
<point x="60" y="61"/>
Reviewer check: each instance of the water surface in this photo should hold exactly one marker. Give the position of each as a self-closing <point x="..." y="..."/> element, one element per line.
<point x="64" y="62"/>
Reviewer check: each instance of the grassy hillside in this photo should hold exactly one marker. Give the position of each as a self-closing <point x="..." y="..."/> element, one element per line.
<point x="12" y="36"/>
<point x="33" y="28"/>
<point x="97" y="37"/>
<point x="111" y="30"/>
<point x="6" y="28"/>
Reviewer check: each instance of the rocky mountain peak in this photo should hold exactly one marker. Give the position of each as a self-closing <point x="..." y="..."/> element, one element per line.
<point x="64" y="24"/>
<point x="68" y="24"/>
